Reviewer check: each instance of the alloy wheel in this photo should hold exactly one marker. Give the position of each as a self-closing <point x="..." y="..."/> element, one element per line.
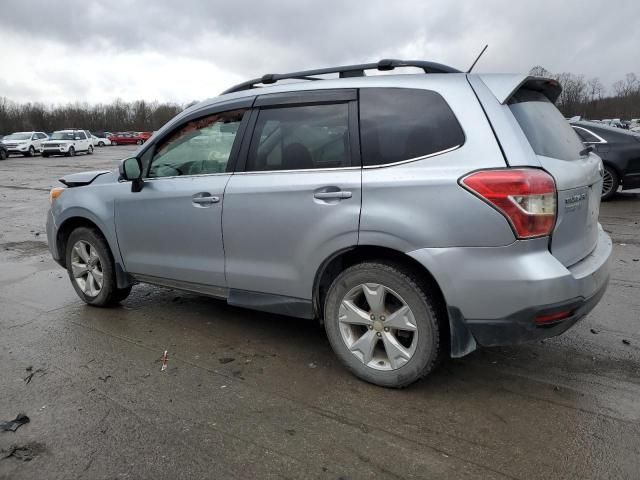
<point x="377" y="326"/>
<point x="86" y="267"/>
<point x="607" y="182"/>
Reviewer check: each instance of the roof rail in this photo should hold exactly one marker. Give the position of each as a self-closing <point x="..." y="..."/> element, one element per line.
<point x="345" y="71"/>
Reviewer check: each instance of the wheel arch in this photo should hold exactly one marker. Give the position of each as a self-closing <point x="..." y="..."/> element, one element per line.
<point x="72" y="223"/>
<point x="345" y="258"/>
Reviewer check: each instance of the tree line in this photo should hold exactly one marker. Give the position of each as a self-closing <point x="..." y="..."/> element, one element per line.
<point x="118" y="116"/>
<point x="589" y="98"/>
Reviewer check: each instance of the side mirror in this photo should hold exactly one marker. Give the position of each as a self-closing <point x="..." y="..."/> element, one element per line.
<point x="131" y="170"/>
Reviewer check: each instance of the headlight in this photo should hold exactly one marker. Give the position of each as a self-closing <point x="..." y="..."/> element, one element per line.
<point x="55" y="193"/>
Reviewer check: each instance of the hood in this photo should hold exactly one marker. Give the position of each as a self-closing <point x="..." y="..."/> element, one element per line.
<point x="82" y="178"/>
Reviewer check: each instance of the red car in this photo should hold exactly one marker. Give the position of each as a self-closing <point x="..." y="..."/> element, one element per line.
<point x="127" y="139"/>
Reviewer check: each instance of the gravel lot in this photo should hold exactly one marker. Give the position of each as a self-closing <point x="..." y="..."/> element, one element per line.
<point x="254" y="395"/>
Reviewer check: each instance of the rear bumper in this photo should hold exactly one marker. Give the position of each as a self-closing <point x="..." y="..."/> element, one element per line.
<point x="494" y="294"/>
<point x="521" y="326"/>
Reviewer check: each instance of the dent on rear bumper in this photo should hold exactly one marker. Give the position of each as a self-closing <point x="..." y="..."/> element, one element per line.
<point x="495" y="285"/>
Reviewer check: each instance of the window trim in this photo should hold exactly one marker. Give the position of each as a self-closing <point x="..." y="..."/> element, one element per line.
<point x="355" y="160"/>
<point x="233" y="154"/>
<point x="601" y="140"/>
<point x="414" y="159"/>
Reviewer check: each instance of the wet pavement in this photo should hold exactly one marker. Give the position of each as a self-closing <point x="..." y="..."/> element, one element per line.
<point x="254" y="395"/>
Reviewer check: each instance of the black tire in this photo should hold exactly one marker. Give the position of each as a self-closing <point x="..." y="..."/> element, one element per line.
<point x="109" y="293"/>
<point x="3" y="154"/>
<point x="45" y="155"/>
<point x="90" y="150"/>
<point x="114" y="143"/>
<point x="101" y="144"/>
<point x="31" y="152"/>
<point x="139" y="142"/>
<point x="417" y="297"/>
<point x="71" y="152"/>
<point x="615" y="183"/>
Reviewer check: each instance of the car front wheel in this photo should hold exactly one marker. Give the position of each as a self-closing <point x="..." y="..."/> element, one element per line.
<point x="91" y="268"/>
<point x="90" y="150"/>
<point x="382" y="324"/>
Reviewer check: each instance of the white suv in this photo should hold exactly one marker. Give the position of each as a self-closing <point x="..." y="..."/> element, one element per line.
<point x="24" y="143"/>
<point x="67" y="142"/>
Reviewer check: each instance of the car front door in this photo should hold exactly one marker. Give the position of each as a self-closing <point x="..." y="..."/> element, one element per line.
<point x="296" y="198"/>
<point x="35" y="141"/>
<point x="170" y="232"/>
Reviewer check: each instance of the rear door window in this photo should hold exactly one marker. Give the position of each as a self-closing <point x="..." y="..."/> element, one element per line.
<point x="548" y="132"/>
<point x="398" y="124"/>
<point x="301" y="138"/>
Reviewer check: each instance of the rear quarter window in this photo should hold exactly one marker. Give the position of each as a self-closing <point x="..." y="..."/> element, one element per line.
<point x="398" y="124"/>
<point x="548" y="132"/>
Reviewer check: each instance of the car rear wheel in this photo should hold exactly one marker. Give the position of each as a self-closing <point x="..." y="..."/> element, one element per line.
<point x="383" y="324"/>
<point x="610" y="183"/>
<point x="139" y="142"/>
<point x="101" y="144"/>
<point x="91" y="269"/>
<point x="114" y="143"/>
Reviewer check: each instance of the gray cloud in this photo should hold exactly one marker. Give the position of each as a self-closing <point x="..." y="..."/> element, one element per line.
<point x="245" y="39"/>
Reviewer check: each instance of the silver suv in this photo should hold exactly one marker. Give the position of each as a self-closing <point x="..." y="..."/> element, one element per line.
<point x="417" y="215"/>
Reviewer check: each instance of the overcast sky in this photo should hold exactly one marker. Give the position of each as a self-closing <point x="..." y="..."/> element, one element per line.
<point x="181" y="50"/>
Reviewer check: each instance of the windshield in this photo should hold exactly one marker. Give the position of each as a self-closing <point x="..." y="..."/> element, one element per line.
<point x="546" y="129"/>
<point x="62" y="136"/>
<point x="18" y="136"/>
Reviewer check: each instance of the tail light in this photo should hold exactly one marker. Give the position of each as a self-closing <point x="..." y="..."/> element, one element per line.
<point x="525" y="196"/>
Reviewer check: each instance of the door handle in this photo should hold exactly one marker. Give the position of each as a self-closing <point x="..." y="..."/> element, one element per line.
<point x="205" y="200"/>
<point x="340" y="194"/>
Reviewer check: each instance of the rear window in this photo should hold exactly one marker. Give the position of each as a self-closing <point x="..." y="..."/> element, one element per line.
<point x="548" y="132"/>
<point x="398" y="124"/>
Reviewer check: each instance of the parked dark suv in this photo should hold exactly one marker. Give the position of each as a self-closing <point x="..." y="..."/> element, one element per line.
<point x="620" y="153"/>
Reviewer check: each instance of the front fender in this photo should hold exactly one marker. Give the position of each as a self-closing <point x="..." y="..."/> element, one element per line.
<point x="93" y="205"/>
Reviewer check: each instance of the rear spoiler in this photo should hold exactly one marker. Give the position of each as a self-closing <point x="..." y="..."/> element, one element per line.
<point x="505" y="85"/>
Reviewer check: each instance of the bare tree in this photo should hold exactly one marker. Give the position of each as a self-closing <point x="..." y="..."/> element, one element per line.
<point x="595" y="88"/>
<point x="540" y="71"/>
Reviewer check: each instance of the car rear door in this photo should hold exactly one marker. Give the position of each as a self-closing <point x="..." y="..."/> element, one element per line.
<point x="296" y="197"/>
